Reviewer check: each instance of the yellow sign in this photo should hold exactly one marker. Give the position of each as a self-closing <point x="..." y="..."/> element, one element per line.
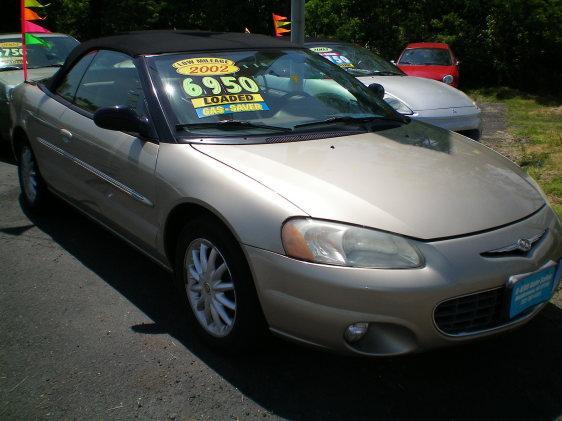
<point x="225" y="99"/>
<point x="231" y="108"/>
<point x="204" y="66"/>
<point x="10" y="44"/>
<point x="4" y="61"/>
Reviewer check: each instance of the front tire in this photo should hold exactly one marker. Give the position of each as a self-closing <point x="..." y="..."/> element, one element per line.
<point x="216" y="284"/>
<point x="34" y="190"/>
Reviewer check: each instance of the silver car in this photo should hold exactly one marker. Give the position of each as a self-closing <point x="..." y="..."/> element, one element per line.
<point x="43" y="62"/>
<point x="287" y="196"/>
<point x="422" y="99"/>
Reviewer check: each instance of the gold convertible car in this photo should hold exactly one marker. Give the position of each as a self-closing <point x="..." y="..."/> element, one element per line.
<point x="286" y="195"/>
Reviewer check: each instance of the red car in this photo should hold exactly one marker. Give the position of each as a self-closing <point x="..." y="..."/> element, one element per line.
<point x="432" y="60"/>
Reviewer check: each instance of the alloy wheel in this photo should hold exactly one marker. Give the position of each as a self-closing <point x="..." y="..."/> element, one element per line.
<point x="29" y="174"/>
<point x="210" y="288"/>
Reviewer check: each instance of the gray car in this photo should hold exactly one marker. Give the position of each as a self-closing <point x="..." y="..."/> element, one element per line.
<point x="43" y="62"/>
<point x="287" y="196"/>
<point x="422" y="99"/>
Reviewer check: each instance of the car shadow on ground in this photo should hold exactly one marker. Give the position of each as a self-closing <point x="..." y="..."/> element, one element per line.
<point x="514" y="376"/>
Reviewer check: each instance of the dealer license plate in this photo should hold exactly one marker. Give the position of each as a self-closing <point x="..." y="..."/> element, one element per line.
<point x="529" y="290"/>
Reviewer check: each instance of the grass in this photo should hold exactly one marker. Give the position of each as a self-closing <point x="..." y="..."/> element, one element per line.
<point x="534" y="139"/>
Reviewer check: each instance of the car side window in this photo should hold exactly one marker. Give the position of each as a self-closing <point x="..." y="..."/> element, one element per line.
<point x="69" y="85"/>
<point x="112" y="79"/>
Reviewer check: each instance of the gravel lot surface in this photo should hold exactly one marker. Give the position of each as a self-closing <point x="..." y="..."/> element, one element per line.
<point x="89" y="328"/>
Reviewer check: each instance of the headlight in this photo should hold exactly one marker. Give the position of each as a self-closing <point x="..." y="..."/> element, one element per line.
<point x="338" y="244"/>
<point x="397" y="105"/>
<point x="448" y="79"/>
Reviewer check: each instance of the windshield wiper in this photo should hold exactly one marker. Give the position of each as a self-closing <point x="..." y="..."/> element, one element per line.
<point x="386" y="73"/>
<point x="351" y="119"/>
<point x="7" y="68"/>
<point x="47" y="65"/>
<point x="232" y="124"/>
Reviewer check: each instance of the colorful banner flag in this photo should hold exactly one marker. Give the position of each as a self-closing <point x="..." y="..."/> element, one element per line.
<point x="32" y="27"/>
<point x="278" y="22"/>
<point x="29" y="14"/>
<point x="33" y="3"/>
<point x="33" y="40"/>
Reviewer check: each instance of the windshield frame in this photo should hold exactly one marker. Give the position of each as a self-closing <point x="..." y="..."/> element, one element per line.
<point x="232" y="137"/>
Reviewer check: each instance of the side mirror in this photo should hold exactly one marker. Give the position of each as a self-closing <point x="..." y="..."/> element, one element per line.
<point x="122" y="119"/>
<point x="377" y="89"/>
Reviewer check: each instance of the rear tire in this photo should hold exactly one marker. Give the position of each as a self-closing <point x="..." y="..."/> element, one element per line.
<point x="217" y="286"/>
<point x="34" y="191"/>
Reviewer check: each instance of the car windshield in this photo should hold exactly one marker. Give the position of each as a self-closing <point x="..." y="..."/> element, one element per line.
<point x="426" y="56"/>
<point x="52" y="52"/>
<point x="236" y="93"/>
<point x="356" y="60"/>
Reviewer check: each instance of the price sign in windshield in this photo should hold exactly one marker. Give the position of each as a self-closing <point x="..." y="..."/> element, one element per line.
<point x="338" y="59"/>
<point x="11" y="53"/>
<point x="217" y="94"/>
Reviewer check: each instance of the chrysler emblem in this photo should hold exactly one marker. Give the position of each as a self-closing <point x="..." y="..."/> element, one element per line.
<point x="524" y="245"/>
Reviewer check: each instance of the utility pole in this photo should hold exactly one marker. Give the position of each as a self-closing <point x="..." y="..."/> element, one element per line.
<point x="297" y="22"/>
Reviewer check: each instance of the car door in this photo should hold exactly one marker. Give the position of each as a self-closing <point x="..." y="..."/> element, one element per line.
<point x="46" y="134"/>
<point x="116" y="178"/>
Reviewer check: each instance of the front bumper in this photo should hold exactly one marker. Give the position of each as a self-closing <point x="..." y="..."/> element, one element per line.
<point x="315" y="303"/>
<point x="454" y="119"/>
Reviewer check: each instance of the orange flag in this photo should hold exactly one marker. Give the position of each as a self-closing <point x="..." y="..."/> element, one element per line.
<point x="29" y="14"/>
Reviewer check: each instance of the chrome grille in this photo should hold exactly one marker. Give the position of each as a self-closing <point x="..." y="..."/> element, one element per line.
<point x="472" y="313"/>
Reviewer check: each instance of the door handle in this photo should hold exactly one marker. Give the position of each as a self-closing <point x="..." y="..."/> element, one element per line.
<point x="66" y="135"/>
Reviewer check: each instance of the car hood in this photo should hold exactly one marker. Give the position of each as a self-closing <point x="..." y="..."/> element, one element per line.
<point x="416" y="180"/>
<point x="11" y="78"/>
<point x="421" y="94"/>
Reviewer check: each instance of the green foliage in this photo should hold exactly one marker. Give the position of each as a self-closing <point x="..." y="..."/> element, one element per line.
<point x="508" y="42"/>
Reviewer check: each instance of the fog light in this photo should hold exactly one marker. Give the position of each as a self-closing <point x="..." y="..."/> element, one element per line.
<point x="355" y="332"/>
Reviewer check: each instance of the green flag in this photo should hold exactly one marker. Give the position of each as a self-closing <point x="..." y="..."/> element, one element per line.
<point x="33" y="40"/>
<point x="33" y="3"/>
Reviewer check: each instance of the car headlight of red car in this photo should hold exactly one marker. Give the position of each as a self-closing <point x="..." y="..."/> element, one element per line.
<point x="448" y="79"/>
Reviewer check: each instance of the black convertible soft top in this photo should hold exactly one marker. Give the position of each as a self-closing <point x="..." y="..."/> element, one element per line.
<point x="159" y="42"/>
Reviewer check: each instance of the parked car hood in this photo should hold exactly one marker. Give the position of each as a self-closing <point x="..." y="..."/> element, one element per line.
<point x="417" y="180"/>
<point x="11" y="78"/>
<point x="421" y="94"/>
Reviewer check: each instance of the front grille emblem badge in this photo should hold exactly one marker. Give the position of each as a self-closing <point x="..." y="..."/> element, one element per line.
<point x="522" y="245"/>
